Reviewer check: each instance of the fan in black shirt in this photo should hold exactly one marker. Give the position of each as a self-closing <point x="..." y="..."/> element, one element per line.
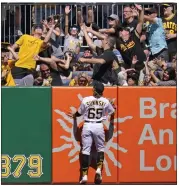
<point x="129" y="44"/>
<point x="103" y="71"/>
<point x="130" y="48"/>
<point x="129" y="19"/>
<point x="132" y="25"/>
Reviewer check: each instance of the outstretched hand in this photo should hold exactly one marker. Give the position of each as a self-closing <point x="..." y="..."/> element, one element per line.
<point x="147" y="61"/>
<point x="71" y="114"/>
<point x="170" y="36"/>
<point x="69" y="56"/>
<point x="67" y="10"/>
<point x="45" y="23"/>
<point x="83" y="27"/>
<point x="130" y="69"/>
<point x="9" y="47"/>
<point x="82" y="60"/>
<point x="89" y="29"/>
<point x="36" y="57"/>
<point x="134" y="60"/>
<point x="139" y="7"/>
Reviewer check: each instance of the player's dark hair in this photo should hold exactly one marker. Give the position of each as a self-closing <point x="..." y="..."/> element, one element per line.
<point x="98" y="88"/>
<point x="97" y="95"/>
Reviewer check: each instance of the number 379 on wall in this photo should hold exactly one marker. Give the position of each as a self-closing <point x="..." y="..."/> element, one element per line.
<point x="34" y="162"/>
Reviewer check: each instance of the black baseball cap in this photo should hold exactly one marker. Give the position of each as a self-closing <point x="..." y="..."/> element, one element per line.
<point x="124" y="28"/>
<point x="98" y="87"/>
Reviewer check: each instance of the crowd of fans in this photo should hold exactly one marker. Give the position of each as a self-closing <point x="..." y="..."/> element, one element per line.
<point x="140" y="51"/>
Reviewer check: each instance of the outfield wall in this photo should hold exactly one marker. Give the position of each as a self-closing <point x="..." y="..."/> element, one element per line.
<point x="41" y="144"/>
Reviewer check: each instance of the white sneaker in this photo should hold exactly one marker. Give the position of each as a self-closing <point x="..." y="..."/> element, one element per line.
<point x="98" y="176"/>
<point x="84" y="179"/>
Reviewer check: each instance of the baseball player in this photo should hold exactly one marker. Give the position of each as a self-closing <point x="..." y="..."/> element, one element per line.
<point x="94" y="110"/>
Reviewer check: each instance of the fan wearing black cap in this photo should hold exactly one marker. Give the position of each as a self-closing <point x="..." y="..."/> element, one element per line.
<point x="94" y="110"/>
<point x="129" y="44"/>
<point x="72" y="43"/>
<point x="29" y="45"/>
<point x="170" y="26"/>
<point x="156" y="35"/>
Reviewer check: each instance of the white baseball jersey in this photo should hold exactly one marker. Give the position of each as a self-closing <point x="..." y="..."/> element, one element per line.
<point x="95" y="109"/>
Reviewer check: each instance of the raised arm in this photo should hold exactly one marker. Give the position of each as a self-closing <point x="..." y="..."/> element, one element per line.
<point x="49" y="61"/>
<point x="107" y="31"/>
<point x="67" y="11"/>
<point x="46" y="26"/>
<point x="88" y="39"/>
<point x="134" y="61"/>
<point x="171" y="36"/>
<point x="67" y="62"/>
<point x="58" y="60"/>
<point x="154" y="77"/>
<point x="47" y="37"/>
<point x="140" y="19"/>
<point x="79" y="16"/>
<point x="148" y="18"/>
<point x="146" y="67"/>
<point x="92" y="60"/>
<point x="12" y="52"/>
<point x="57" y="31"/>
<point x="105" y="58"/>
<point x="97" y="34"/>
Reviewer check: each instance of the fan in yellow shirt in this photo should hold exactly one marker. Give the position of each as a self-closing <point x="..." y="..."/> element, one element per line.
<point x="30" y="45"/>
<point x="6" y="76"/>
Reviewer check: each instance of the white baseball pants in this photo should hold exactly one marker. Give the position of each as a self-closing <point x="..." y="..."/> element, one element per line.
<point x="90" y="132"/>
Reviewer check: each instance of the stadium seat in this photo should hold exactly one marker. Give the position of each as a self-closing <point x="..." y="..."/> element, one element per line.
<point x="66" y="82"/>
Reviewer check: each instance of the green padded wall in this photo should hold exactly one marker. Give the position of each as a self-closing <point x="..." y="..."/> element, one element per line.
<point x="26" y="130"/>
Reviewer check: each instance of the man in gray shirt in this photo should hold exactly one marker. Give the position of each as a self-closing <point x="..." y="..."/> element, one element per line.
<point x="55" y="37"/>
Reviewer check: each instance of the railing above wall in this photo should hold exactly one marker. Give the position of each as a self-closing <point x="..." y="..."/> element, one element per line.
<point x="18" y="18"/>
